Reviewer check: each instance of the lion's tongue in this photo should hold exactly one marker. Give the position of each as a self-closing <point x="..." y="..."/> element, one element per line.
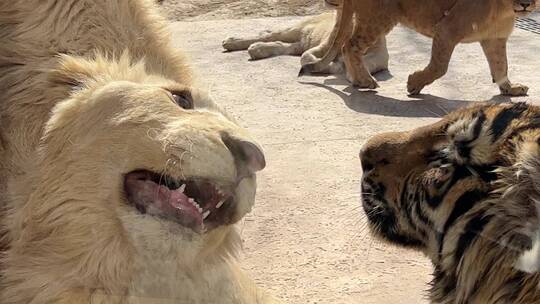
<point x="160" y="200"/>
<point x="176" y="204"/>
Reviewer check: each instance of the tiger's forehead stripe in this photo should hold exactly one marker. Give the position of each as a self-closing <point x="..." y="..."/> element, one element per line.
<point x="505" y="117"/>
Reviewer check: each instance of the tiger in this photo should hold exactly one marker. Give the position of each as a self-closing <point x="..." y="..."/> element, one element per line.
<point x="464" y="191"/>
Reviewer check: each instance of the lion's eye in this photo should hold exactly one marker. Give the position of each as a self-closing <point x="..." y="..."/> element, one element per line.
<point x="183" y="99"/>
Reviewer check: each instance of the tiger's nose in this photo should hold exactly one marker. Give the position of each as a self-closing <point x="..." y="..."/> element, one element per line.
<point x="365" y="162"/>
<point x="525" y="4"/>
<point x="367" y="154"/>
<point x="248" y="155"/>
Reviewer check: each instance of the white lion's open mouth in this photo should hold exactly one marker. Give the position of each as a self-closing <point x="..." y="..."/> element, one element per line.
<point x="198" y="204"/>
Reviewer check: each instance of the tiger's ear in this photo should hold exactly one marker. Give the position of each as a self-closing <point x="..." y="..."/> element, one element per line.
<point x="73" y="71"/>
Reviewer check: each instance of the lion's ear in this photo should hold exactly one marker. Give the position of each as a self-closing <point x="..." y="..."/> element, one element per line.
<point x="72" y="71"/>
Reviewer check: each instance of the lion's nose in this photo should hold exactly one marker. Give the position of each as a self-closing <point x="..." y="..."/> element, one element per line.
<point x="248" y="155"/>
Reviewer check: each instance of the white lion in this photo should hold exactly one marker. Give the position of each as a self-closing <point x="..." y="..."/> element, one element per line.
<point x="120" y="179"/>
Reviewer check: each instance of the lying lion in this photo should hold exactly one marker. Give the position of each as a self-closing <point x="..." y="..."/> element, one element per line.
<point x="122" y="179"/>
<point x="448" y="22"/>
<point x="306" y="39"/>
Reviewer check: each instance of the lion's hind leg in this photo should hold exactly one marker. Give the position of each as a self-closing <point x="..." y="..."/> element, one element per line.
<point x="240" y="44"/>
<point x="335" y="67"/>
<point x="495" y="51"/>
<point x="366" y="35"/>
<point x="260" y="50"/>
<point x="289" y="35"/>
<point x="377" y="57"/>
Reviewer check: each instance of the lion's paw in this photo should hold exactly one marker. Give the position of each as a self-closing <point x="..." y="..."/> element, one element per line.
<point x="367" y="83"/>
<point x="514" y="89"/>
<point x="307" y="58"/>
<point x="415" y="83"/>
<point x="258" y="50"/>
<point x="232" y="44"/>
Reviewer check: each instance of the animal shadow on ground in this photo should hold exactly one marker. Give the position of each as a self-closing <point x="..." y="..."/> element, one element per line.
<point x="340" y="79"/>
<point x="370" y="102"/>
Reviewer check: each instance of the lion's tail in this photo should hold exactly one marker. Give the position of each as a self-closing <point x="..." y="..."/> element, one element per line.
<point x="335" y="40"/>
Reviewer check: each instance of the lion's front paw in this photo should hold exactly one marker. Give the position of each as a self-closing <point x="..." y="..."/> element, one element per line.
<point x="307" y="58"/>
<point x="514" y="89"/>
<point x="363" y="83"/>
<point x="232" y="44"/>
<point x="415" y="84"/>
<point x="258" y="51"/>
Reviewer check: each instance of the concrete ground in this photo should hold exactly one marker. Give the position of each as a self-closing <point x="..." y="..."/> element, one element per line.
<point x="197" y="10"/>
<point x="306" y="240"/>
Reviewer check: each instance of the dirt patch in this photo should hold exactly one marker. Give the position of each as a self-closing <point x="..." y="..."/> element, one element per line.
<point x="189" y="10"/>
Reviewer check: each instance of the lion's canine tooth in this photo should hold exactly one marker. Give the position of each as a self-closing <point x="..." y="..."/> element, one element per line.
<point x="182" y="188"/>
<point x="206" y="214"/>
<point x="220" y="203"/>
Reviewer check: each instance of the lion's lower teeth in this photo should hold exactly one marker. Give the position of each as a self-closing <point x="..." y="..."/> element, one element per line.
<point x="182" y="188"/>
<point x="220" y="203"/>
<point x="194" y="203"/>
<point x="205" y="214"/>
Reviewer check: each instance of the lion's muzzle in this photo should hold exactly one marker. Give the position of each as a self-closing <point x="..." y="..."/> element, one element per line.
<point x="194" y="202"/>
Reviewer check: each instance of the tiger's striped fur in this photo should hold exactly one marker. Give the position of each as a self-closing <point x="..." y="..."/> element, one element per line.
<point x="465" y="191"/>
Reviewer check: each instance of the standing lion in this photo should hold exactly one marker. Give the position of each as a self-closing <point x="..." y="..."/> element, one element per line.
<point x="448" y="22"/>
<point x="121" y="180"/>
